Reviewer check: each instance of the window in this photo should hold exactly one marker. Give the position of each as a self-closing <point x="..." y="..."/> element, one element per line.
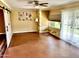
<point x="54" y="24"/>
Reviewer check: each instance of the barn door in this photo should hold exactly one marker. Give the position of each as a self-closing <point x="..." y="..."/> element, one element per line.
<point x="7" y="27"/>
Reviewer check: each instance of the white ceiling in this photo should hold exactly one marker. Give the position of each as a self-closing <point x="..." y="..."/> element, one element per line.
<point x="23" y="3"/>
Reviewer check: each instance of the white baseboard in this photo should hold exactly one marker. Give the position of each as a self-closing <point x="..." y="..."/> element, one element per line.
<point x="43" y="31"/>
<point x="23" y="31"/>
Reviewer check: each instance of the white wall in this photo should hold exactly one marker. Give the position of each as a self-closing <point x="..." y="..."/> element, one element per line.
<point x="23" y="26"/>
<point x="43" y="21"/>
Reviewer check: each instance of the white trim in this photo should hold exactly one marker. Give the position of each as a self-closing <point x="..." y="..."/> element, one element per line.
<point x="5" y="4"/>
<point x="23" y="31"/>
<point x="43" y="31"/>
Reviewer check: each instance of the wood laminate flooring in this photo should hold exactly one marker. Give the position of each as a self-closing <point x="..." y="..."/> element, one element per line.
<point x="34" y="45"/>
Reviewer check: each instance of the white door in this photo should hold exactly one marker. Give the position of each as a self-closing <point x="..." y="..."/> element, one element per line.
<point x="7" y="27"/>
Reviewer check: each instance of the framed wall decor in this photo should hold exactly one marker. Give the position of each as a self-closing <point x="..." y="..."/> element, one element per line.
<point x="24" y="15"/>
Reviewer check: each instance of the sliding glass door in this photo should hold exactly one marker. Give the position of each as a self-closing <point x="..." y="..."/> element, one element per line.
<point x="66" y="27"/>
<point x="76" y="27"/>
<point x="70" y="26"/>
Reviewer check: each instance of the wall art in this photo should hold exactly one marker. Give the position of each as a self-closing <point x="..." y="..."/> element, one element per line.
<point x="24" y="15"/>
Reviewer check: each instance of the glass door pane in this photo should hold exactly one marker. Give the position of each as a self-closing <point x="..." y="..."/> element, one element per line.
<point x="70" y="25"/>
<point x="76" y="22"/>
<point x="66" y="27"/>
<point x="76" y="27"/>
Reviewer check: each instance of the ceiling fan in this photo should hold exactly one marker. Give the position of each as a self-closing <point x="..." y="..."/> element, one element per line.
<point x="37" y="3"/>
<point x="34" y="3"/>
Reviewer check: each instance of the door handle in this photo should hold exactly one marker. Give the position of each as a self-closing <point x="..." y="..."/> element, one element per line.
<point x="7" y="28"/>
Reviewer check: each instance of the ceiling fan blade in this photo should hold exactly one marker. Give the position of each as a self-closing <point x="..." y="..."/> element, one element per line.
<point x="43" y="3"/>
<point x="30" y="2"/>
<point x="36" y="1"/>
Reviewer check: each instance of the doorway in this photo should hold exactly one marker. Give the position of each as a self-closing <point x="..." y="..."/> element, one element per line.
<point x="2" y="33"/>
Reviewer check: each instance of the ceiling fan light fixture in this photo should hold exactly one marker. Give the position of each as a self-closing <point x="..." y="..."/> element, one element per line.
<point x="37" y="7"/>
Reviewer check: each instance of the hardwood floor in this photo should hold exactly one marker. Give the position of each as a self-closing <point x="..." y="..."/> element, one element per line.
<point x="39" y="45"/>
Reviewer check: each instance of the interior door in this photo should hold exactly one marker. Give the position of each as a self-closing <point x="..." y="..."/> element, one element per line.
<point x="7" y="27"/>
